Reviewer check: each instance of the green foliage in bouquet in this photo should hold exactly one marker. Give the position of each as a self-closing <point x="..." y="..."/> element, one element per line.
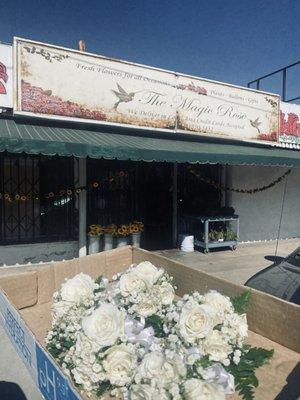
<point x="157" y="324"/>
<point x="103" y="388"/>
<point x="240" y="302"/>
<point x="251" y="358"/>
<point x="244" y="373"/>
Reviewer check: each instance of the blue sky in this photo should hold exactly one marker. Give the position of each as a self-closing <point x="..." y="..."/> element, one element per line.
<point x="233" y="41"/>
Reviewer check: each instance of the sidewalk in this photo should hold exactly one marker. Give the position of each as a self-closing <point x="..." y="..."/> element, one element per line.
<point x="236" y="266"/>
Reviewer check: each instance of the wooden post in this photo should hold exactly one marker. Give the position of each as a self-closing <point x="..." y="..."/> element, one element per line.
<point x="174" y="221"/>
<point x="82" y="208"/>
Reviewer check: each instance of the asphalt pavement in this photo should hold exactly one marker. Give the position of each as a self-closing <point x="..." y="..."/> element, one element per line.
<point x="15" y="381"/>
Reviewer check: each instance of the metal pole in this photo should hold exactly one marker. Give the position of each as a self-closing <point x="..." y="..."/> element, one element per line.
<point x="228" y="183"/>
<point x="175" y="185"/>
<point x="82" y="208"/>
<point x="284" y="85"/>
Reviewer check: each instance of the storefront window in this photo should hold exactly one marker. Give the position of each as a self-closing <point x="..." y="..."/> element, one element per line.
<point x="195" y="195"/>
<point x="28" y="213"/>
<point x="113" y="200"/>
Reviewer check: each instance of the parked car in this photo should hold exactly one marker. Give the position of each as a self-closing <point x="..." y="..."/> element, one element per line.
<point x="281" y="280"/>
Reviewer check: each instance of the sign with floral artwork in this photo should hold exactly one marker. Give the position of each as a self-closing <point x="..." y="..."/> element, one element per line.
<point x="6" y="76"/>
<point x="289" y="123"/>
<point x="54" y="82"/>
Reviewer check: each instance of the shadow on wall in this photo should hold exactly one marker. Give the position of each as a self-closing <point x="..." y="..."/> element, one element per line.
<point x="11" y="391"/>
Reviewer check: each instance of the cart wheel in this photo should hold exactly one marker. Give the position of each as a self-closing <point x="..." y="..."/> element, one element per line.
<point x="233" y="248"/>
<point x="206" y="251"/>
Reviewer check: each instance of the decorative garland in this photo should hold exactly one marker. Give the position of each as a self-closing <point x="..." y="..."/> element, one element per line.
<point x="122" y="174"/>
<point x="71" y="191"/>
<point x="244" y="191"/>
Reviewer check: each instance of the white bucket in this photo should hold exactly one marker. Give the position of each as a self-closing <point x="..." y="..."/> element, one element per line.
<point x="108" y="241"/>
<point x="122" y="241"/>
<point x="94" y="244"/>
<point x="136" y="239"/>
<point x="187" y="243"/>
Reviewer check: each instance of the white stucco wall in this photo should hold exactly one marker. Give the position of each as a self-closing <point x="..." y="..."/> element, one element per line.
<point x="35" y="253"/>
<point x="260" y="212"/>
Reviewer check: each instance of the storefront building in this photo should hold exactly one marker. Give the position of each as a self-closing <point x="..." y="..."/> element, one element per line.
<point x="58" y="175"/>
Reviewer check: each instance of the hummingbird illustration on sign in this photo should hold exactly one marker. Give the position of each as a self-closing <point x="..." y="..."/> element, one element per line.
<point x="255" y="124"/>
<point x="123" y="96"/>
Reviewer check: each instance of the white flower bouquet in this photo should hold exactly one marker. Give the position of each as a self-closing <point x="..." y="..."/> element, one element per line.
<point x="132" y="339"/>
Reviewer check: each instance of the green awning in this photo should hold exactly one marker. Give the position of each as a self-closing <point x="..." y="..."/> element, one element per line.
<point x="18" y="137"/>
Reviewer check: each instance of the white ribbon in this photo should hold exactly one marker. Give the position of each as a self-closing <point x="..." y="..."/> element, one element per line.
<point x="105" y="282"/>
<point x="219" y="375"/>
<point x="137" y="333"/>
<point x="192" y="351"/>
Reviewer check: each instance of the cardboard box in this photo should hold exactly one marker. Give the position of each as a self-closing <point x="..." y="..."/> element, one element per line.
<point x="25" y="312"/>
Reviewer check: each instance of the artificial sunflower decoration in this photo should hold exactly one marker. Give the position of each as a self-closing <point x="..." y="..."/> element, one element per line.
<point x="96" y="230"/>
<point x="136" y="227"/>
<point x="123" y="230"/>
<point x="111" y="229"/>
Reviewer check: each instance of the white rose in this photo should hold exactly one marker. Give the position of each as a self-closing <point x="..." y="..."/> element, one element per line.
<point x="236" y="327"/>
<point x="216" y="346"/>
<point x="195" y="389"/>
<point x="145" y="307"/>
<point x="222" y="304"/>
<point x="78" y="288"/>
<point x="119" y="364"/>
<point x="105" y="325"/>
<point x="173" y="369"/>
<point x="131" y="283"/>
<point x="155" y="366"/>
<point x="148" y="272"/>
<point x="151" y="365"/>
<point x="196" y="321"/>
<point x="166" y="293"/>
<point x="143" y="392"/>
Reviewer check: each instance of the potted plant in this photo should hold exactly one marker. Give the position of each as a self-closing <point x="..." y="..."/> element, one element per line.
<point x="216" y="236"/>
<point x="122" y="234"/>
<point x="220" y="236"/>
<point x="109" y="232"/>
<point x="230" y="236"/>
<point x="94" y="234"/>
<point x="212" y="236"/>
<point x="136" y="228"/>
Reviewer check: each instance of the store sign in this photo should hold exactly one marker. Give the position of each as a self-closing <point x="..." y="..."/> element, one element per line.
<point x="6" y="76"/>
<point x="54" y="82"/>
<point x="289" y="123"/>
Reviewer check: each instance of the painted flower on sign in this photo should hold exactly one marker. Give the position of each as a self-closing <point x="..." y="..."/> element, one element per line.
<point x="39" y="101"/>
<point x="3" y="78"/>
